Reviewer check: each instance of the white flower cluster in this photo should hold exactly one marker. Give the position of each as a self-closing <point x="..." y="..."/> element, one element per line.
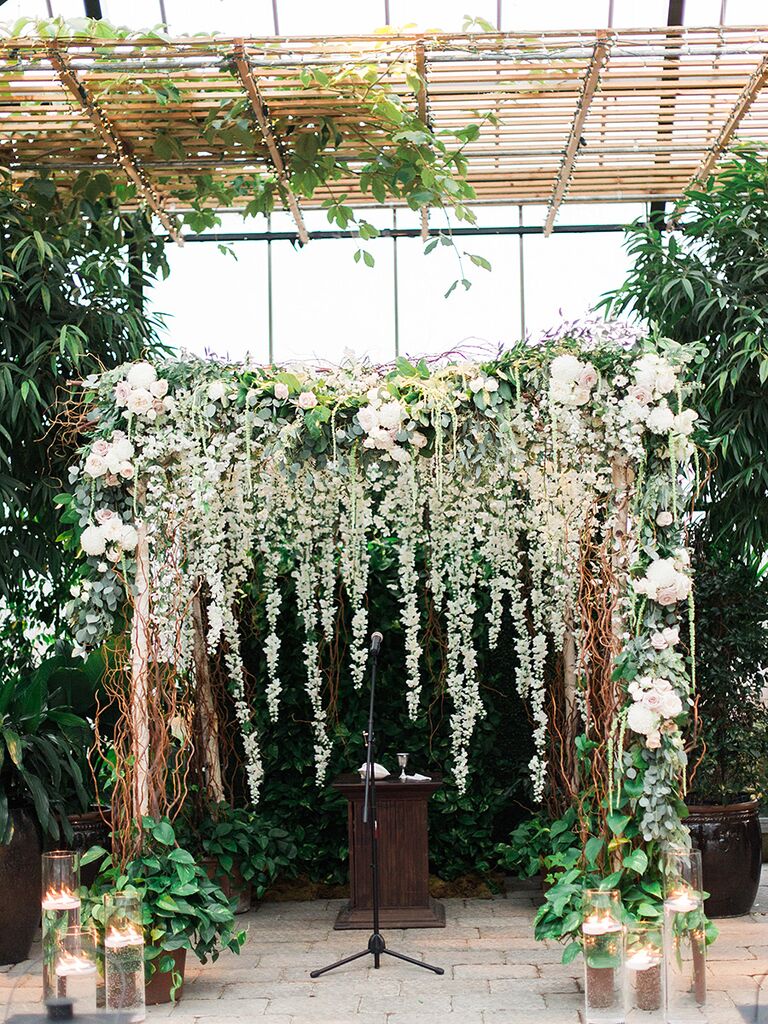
<point x="110" y="459"/>
<point x="571" y="381"/>
<point x="665" y="580"/>
<point x="382" y="420"/>
<point x="110" y="536"/>
<point x="655" y="705"/>
<point x="647" y="402"/>
<point x="143" y="394"/>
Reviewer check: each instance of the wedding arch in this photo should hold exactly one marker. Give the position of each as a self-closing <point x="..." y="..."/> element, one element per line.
<point x="550" y="476"/>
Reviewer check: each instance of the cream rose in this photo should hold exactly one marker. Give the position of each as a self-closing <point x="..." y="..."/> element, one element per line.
<point x="281" y="391"/>
<point x="368" y="418"/>
<point x="307" y="400"/>
<point x="139" y="401"/>
<point x="664" y="518"/>
<point x="95" y="466"/>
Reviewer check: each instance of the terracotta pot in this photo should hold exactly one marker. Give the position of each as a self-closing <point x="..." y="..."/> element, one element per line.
<point x="20" y="885"/>
<point x="234" y="887"/>
<point x="159" y="985"/>
<point x="730" y="842"/>
<point x="94" y="828"/>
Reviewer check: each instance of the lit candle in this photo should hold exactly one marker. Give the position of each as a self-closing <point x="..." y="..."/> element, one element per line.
<point x="643" y="959"/>
<point x="118" y="938"/>
<point x="61" y="899"/>
<point x="600" y="925"/>
<point x="682" y="902"/>
<point x="70" y="964"/>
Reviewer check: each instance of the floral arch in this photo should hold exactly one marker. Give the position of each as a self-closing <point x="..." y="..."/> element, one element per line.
<point x="550" y="476"/>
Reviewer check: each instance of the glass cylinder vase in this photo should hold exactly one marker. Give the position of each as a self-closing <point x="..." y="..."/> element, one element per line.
<point x="685" y="955"/>
<point x="124" y="956"/>
<point x="76" y="969"/>
<point x="603" y="939"/>
<point x="644" y="966"/>
<point x="60" y="909"/>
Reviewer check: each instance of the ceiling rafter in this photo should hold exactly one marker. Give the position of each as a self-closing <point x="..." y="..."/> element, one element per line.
<point x="262" y="118"/>
<point x="740" y="109"/>
<point x="423" y="109"/>
<point x="119" y="147"/>
<point x="589" y="88"/>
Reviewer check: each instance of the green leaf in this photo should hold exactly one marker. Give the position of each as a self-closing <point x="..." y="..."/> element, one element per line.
<point x="637" y="861"/>
<point x="592" y="849"/>
<point x="617" y="822"/>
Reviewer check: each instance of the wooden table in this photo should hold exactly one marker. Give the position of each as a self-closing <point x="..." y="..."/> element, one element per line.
<point x="401" y="809"/>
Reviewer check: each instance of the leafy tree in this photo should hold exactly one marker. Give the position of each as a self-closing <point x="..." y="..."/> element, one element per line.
<point x="72" y="273"/>
<point x="709" y="283"/>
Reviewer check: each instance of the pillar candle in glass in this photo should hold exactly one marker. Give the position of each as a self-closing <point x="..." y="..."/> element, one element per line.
<point x="76" y="969"/>
<point x="124" y="956"/>
<point x="60" y="908"/>
<point x="644" y="966"/>
<point x="603" y="938"/>
<point x="684" y="937"/>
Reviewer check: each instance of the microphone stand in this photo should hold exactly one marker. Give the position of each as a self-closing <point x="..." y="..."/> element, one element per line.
<point x="376" y="944"/>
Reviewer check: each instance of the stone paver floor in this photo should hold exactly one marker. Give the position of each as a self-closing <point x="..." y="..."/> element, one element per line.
<point x="495" y="973"/>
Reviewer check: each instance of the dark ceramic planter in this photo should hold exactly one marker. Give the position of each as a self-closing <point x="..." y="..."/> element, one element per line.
<point x="730" y="842"/>
<point x="20" y="885"/>
<point x="234" y="887"/>
<point x="91" y="829"/>
<point x="159" y="985"/>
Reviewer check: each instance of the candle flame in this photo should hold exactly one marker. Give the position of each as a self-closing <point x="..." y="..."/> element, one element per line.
<point x="129" y="935"/>
<point x="60" y="897"/>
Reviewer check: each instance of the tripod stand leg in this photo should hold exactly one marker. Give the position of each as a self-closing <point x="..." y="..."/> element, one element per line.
<point x="339" y="963"/>
<point x="410" y="960"/>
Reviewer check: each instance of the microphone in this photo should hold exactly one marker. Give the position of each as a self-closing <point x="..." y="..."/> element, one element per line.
<point x="376" y="639"/>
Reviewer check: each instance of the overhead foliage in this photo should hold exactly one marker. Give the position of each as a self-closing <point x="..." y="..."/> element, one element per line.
<point x="70" y="304"/>
<point x="707" y="283"/>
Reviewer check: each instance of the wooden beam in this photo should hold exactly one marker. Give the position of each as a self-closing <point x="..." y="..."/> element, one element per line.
<point x="421" y="99"/>
<point x="589" y="88"/>
<point x="740" y="109"/>
<point x="120" y="148"/>
<point x="260" y="111"/>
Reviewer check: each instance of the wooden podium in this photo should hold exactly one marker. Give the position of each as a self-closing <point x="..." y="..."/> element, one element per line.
<point x="403" y="855"/>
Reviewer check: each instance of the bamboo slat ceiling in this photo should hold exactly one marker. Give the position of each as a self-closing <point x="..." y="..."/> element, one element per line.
<point x="613" y="115"/>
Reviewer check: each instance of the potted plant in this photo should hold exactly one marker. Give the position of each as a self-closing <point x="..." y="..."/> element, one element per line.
<point x="730" y="759"/>
<point x="540" y="846"/>
<point x="226" y="838"/>
<point x="38" y="733"/>
<point x="182" y="908"/>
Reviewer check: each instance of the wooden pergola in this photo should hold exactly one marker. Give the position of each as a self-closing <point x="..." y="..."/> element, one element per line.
<point x="609" y="116"/>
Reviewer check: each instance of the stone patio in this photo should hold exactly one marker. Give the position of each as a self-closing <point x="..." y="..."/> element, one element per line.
<point x="495" y="973"/>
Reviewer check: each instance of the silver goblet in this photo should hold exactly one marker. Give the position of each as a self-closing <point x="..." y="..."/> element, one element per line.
<point x="402" y="760"/>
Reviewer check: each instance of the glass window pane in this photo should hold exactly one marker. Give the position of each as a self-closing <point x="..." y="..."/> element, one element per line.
<point x="216" y="303"/>
<point x="565" y="275"/>
<point x="648" y="14"/>
<point x="341" y="17"/>
<point x="488" y="314"/>
<point x="745" y="12"/>
<point x="448" y="15"/>
<point x="522" y="15"/>
<point x="226" y="17"/>
<point x="325" y="303"/>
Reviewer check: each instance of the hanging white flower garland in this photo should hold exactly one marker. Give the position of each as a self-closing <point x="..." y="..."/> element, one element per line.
<point x="484" y="475"/>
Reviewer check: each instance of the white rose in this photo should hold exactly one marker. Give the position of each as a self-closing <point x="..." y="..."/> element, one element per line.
<point x="105" y="515"/>
<point x="664" y="518"/>
<point x="139" y="401"/>
<point x="641" y="394"/>
<point x="684" y="421"/>
<point x="112" y="529"/>
<point x="368" y="418"/>
<point x="95" y="466"/>
<point x="159" y="388"/>
<point x="588" y="376"/>
<point x="399" y="454"/>
<point x="661" y="685"/>
<point x="671" y="705"/>
<point x="100" y="447"/>
<point x="641" y="719"/>
<point x="141" y="375"/>
<point x="169" y="404"/>
<point x="653" y="740"/>
<point x="373" y="397"/>
<point x="390" y="415"/>
<point x="126" y="470"/>
<point x="418" y="440"/>
<point x="652" y="700"/>
<point x="476" y="384"/>
<point x="659" y="642"/>
<point x="281" y="391"/>
<point x="92" y="541"/>
<point x="661" y="419"/>
<point x="666" y="378"/>
<point x="151" y="415"/>
<point x="491" y="384"/>
<point x="672" y="635"/>
<point x="307" y="400"/>
<point x="128" y="538"/>
<point x="122" y="449"/>
<point x="217" y="389"/>
<point x="580" y="396"/>
<point x="566" y="369"/>
<point x="122" y="393"/>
